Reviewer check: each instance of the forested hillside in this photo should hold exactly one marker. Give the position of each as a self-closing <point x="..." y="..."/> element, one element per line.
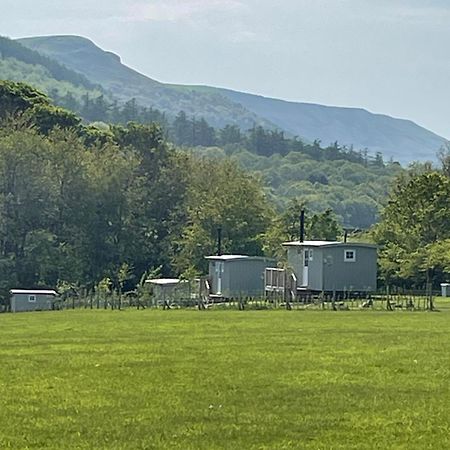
<point x="81" y="206"/>
<point x="352" y="182"/>
<point x="19" y="63"/>
<point x="355" y="191"/>
<point x="106" y="69"/>
<point x="396" y="138"/>
<point x="401" y="139"/>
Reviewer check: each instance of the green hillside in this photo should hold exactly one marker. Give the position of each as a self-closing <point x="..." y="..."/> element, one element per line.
<point x="18" y="63"/>
<point x="355" y="192"/>
<point x="106" y="69"/>
<point x="351" y="184"/>
<point x="401" y="139"/>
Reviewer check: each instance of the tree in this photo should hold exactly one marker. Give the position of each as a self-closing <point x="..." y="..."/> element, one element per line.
<point x="324" y="226"/>
<point x="444" y="158"/>
<point x="414" y="223"/>
<point x="18" y="97"/>
<point x="220" y="195"/>
<point x="286" y="227"/>
<point x="182" y="130"/>
<point x="230" y="134"/>
<point x="47" y="117"/>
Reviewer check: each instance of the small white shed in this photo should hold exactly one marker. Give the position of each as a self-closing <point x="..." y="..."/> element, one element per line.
<point x="32" y="299"/>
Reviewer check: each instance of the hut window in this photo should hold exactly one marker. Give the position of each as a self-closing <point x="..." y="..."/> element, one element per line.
<point x="308" y="257"/>
<point x="32" y="298"/>
<point x="349" y="255"/>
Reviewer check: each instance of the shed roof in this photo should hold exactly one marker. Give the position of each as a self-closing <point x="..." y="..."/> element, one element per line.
<point x="237" y="258"/>
<point x="327" y="244"/>
<point x="33" y="291"/>
<point x="164" y="281"/>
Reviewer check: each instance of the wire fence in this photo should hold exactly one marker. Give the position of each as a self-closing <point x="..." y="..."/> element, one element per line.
<point x="398" y="300"/>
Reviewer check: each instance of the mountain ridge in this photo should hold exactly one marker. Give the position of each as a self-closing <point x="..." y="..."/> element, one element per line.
<point x="125" y="83"/>
<point x="21" y="64"/>
<point x="398" y="138"/>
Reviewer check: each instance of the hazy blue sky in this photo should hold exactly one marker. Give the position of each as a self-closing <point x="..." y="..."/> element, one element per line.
<point x="388" y="56"/>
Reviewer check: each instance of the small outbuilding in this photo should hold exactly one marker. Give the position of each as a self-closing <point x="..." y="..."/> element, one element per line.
<point x="236" y="276"/>
<point x="333" y="266"/>
<point x="169" y="290"/>
<point x="32" y="299"/>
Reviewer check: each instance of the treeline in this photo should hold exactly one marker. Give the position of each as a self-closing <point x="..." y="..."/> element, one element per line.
<point x="100" y="109"/>
<point x="79" y="205"/>
<point x="356" y="193"/>
<point x="84" y="207"/>
<point x="414" y="233"/>
<point x="352" y="183"/>
<point x="192" y="132"/>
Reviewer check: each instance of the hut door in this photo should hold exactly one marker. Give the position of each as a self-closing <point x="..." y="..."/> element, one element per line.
<point x="305" y="267"/>
<point x="219" y="271"/>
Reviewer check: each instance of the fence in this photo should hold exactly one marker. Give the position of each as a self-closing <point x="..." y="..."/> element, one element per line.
<point x="399" y="300"/>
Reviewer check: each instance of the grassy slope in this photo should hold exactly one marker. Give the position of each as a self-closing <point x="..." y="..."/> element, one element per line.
<point x="19" y="63"/>
<point x="192" y="380"/>
<point x="39" y="77"/>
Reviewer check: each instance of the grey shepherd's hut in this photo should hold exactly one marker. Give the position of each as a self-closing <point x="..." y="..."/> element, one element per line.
<point x="32" y="299"/>
<point x="233" y="276"/>
<point x="333" y="266"/>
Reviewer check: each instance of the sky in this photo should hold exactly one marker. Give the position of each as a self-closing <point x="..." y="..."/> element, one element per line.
<point x="387" y="56"/>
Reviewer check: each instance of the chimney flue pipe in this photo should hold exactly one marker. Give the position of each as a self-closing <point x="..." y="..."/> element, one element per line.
<point x="219" y="241"/>
<point x="302" y="225"/>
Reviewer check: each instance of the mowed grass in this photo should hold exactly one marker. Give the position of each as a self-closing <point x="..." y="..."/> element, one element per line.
<point x="224" y="379"/>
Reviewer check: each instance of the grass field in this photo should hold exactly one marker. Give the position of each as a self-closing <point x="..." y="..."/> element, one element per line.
<point x="224" y="379"/>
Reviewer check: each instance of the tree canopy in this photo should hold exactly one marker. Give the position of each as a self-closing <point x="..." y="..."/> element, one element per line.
<point x="415" y="228"/>
<point x="80" y="205"/>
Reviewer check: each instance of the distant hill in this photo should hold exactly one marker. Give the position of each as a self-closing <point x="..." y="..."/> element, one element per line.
<point x="19" y="63"/>
<point x="106" y="69"/>
<point x="401" y="139"/>
<point x="352" y="184"/>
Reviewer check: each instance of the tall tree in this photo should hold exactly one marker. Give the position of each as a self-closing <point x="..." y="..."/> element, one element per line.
<point x="221" y="195"/>
<point x="286" y="227"/>
<point x="416" y="218"/>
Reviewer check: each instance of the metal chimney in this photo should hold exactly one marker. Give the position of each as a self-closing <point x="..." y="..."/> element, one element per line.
<point x="345" y="236"/>
<point x="219" y="241"/>
<point x="302" y="225"/>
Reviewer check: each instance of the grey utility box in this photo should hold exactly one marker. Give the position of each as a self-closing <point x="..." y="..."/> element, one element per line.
<point x="445" y="289"/>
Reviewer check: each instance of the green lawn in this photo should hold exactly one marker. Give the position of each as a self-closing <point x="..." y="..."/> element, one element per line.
<point x="225" y="379"/>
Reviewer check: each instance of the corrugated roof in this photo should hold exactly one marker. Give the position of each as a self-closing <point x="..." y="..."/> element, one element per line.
<point x="327" y="244"/>
<point x="238" y="257"/>
<point x="164" y="281"/>
<point x="33" y="291"/>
